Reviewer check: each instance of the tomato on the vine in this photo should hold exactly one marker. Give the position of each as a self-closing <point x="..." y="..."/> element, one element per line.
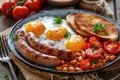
<point x="33" y="5"/>
<point x="6" y="6"/>
<point x="93" y="40"/>
<point x="85" y="64"/>
<point x="20" y="12"/>
<point x="112" y="47"/>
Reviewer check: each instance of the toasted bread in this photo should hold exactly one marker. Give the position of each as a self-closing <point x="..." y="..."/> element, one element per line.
<point x="71" y="23"/>
<point x="85" y="23"/>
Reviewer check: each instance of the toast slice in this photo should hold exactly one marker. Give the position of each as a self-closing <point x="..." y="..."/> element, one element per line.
<point x="70" y="21"/>
<point x="86" y="23"/>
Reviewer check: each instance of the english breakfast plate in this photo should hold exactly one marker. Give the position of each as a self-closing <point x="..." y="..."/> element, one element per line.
<point x="54" y="13"/>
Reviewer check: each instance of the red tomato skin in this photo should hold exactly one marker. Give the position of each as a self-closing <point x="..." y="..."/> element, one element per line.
<point x="16" y="1"/>
<point x="94" y="55"/>
<point x="93" y="40"/>
<point x="112" y="47"/>
<point x="86" y="46"/>
<point x="20" y="12"/>
<point x="85" y="64"/>
<point x="33" y="5"/>
<point x="6" y="6"/>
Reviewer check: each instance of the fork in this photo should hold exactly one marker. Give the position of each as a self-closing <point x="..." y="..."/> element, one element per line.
<point x="4" y="54"/>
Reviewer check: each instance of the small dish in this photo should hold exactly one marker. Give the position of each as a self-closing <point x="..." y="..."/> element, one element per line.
<point x="62" y="2"/>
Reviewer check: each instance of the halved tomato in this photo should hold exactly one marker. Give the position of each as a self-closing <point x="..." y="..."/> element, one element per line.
<point x="93" y="40"/>
<point x="94" y="54"/>
<point x="85" y="64"/>
<point x="112" y="47"/>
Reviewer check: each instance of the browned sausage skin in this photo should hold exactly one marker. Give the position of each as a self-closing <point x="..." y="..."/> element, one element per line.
<point x="34" y="42"/>
<point x="33" y="55"/>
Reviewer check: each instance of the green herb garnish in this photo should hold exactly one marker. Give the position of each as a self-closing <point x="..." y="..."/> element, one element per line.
<point x="7" y="76"/>
<point x="94" y="47"/>
<point x="95" y="61"/>
<point x="98" y="27"/>
<point x="15" y="37"/>
<point x="57" y="20"/>
<point x="67" y="34"/>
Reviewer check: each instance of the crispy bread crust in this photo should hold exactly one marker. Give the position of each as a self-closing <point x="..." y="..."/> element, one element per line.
<point x="70" y="21"/>
<point x="86" y="22"/>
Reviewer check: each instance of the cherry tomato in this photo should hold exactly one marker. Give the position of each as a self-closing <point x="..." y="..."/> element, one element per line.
<point x="6" y="6"/>
<point x="86" y="46"/>
<point x="94" y="54"/>
<point x="93" y="40"/>
<point x="112" y="47"/>
<point x="33" y="5"/>
<point x="20" y="12"/>
<point x="85" y="64"/>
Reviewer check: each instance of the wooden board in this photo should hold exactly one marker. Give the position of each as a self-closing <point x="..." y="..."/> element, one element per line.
<point x="118" y="10"/>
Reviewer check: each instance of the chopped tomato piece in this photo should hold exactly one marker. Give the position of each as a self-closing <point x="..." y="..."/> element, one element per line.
<point x="94" y="54"/>
<point x="112" y="47"/>
<point x="93" y="40"/>
<point x="86" y="46"/>
<point x="85" y="64"/>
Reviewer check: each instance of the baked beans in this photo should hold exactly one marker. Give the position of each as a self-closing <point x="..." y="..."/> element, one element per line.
<point x="74" y="65"/>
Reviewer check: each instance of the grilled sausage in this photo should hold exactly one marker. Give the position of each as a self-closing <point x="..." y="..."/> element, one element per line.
<point x="33" y="55"/>
<point x="43" y="48"/>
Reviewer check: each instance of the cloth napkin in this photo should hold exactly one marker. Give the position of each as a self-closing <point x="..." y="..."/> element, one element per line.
<point x="99" y="6"/>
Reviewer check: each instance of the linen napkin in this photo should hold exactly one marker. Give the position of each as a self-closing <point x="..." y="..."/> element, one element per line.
<point x="99" y="6"/>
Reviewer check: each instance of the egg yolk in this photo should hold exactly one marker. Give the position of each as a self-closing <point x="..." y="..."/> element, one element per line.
<point x="36" y="27"/>
<point x="75" y="43"/>
<point x="57" y="33"/>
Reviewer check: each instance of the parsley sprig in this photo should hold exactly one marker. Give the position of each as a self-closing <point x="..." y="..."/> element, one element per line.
<point x="15" y="37"/>
<point x="57" y="20"/>
<point x="67" y="34"/>
<point x="95" y="61"/>
<point x="98" y="27"/>
<point x="94" y="47"/>
<point x="7" y="76"/>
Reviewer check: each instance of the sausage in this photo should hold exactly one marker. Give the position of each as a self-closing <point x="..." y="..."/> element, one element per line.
<point x="32" y="54"/>
<point x="34" y="42"/>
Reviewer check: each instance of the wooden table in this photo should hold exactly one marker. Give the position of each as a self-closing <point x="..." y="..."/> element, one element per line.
<point x="6" y="22"/>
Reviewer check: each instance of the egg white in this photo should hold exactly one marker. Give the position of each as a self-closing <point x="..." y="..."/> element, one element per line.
<point x="48" y="22"/>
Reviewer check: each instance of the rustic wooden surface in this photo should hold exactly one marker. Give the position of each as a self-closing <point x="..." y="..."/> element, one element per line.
<point x="118" y="9"/>
<point x="6" y="22"/>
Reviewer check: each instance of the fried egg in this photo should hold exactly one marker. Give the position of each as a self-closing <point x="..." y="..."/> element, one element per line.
<point x="52" y="34"/>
